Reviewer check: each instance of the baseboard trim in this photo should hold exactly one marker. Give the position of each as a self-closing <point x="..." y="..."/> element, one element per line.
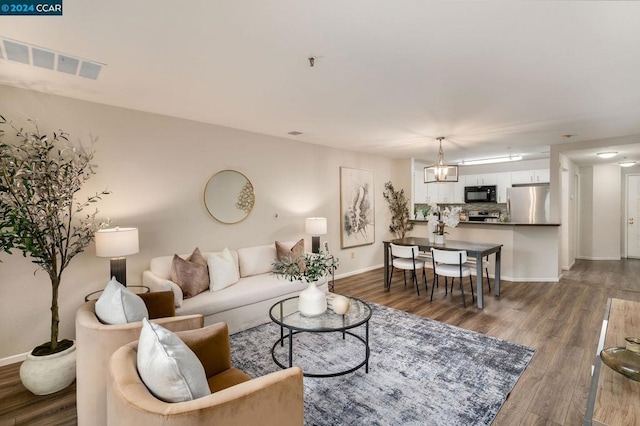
<point x="359" y="271"/>
<point x="598" y="258"/>
<point x="13" y="359"/>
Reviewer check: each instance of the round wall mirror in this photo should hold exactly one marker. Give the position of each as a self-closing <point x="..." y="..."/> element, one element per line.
<point x="229" y="196"/>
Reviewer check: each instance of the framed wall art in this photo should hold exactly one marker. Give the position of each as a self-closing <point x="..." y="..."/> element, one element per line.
<point x="357" y="217"/>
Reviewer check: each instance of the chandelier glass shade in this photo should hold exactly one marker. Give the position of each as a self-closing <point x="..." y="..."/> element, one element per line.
<point x="441" y="171"/>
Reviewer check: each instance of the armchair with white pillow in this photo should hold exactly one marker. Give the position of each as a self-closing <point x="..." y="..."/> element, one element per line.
<point x="186" y="378"/>
<point x="96" y="340"/>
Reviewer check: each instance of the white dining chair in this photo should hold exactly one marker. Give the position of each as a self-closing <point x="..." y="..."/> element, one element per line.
<point x="406" y="258"/>
<point x="449" y="263"/>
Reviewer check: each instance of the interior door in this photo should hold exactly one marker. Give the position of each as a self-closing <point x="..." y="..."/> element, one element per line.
<point x="633" y="216"/>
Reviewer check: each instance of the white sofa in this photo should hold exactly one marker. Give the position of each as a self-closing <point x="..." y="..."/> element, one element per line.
<point x="242" y="305"/>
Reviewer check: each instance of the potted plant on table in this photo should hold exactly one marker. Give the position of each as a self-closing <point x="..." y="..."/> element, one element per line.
<point x="310" y="269"/>
<point x="448" y="217"/>
<point x="40" y="177"/>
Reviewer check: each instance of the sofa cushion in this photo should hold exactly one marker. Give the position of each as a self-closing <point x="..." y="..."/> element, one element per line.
<point x="256" y="260"/>
<point x="223" y="270"/>
<point x="293" y="254"/>
<point x="169" y="369"/>
<point x="246" y="291"/>
<point x="119" y="305"/>
<point x="190" y="274"/>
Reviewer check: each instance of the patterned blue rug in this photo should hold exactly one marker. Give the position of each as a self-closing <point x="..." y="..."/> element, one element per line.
<point x="421" y="371"/>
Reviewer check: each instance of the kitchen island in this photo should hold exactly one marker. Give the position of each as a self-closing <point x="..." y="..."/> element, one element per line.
<point x="530" y="252"/>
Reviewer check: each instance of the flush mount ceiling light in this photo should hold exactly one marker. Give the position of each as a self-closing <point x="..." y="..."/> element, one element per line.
<point x="607" y="154"/>
<point x="440" y="172"/>
<point x="626" y="163"/>
<point x="504" y="159"/>
<point x="28" y="54"/>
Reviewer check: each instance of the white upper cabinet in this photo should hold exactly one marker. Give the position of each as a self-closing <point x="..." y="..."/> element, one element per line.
<point x="530" y="176"/>
<point x="423" y="192"/>
<point x="481" y="180"/>
<point x="504" y="182"/>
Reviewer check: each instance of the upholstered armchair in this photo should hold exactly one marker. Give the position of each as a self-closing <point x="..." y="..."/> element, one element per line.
<point x="96" y="342"/>
<point x="236" y="399"/>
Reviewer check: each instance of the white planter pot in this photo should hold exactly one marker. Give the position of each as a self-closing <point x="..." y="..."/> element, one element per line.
<point x="438" y="238"/>
<point x="312" y="301"/>
<point x="43" y="375"/>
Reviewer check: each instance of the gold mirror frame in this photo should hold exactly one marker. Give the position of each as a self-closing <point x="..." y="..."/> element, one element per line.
<point x="229" y="196"/>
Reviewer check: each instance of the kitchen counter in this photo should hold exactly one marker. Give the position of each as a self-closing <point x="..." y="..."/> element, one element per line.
<point x="530" y="252"/>
<point x="421" y="222"/>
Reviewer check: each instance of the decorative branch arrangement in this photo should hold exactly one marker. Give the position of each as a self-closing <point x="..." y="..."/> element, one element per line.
<point x="399" y="207"/>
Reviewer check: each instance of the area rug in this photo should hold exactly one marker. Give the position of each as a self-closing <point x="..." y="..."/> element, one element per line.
<point x="421" y="371"/>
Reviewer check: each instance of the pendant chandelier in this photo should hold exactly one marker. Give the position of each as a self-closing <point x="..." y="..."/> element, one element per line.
<point x="440" y="172"/>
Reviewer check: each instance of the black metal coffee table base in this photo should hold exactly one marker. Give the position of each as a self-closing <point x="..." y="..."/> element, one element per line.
<point x="365" y="342"/>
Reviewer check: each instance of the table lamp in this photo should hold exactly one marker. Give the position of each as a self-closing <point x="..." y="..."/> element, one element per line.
<point x="116" y="243"/>
<point x="316" y="226"/>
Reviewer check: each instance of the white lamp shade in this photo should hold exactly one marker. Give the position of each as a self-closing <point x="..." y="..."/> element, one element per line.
<point x="316" y="225"/>
<point x="116" y="242"/>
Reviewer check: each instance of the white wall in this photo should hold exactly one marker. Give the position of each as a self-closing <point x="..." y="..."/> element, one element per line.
<point x="600" y="200"/>
<point x="156" y="168"/>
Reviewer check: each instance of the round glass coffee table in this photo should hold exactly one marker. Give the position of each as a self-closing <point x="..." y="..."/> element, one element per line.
<point x="285" y="313"/>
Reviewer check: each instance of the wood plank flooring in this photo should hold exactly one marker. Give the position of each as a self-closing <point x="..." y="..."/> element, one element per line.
<point x="560" y="320"/>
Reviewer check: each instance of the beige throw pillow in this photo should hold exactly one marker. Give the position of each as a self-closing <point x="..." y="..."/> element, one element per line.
<point x="192" y="274"/>
<point x="295" y="254"/>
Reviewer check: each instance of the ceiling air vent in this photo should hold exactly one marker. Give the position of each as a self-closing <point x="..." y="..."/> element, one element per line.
<point x="29" y="54"/>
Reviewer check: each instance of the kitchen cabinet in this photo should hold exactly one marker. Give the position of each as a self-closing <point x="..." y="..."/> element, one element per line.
<point x="530" y="176"/>
<point x="444" y="193"/>
<point x="422" y="192"/>
<point x="503" y="182"/>
<point x="481" y="180"/>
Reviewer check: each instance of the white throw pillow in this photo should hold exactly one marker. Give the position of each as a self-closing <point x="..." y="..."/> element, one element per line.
<point x="168" y="368"/>
<point x="223" y="270"/>
<point x="119" y="305"/>
<point x="177" y="292"/>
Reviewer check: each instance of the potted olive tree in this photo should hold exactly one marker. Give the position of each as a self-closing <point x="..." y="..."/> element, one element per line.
<point x="40" y="176"/>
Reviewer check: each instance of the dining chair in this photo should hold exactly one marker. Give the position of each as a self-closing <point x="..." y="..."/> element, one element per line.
<point x="406" y="258"/>
<point x="449" y="263"/>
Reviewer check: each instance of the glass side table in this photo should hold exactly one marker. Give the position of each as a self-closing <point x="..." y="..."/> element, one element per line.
<point x="138" y="289"/>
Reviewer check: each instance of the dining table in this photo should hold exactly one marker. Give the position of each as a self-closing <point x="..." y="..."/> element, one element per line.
<point x="475" y="250"/>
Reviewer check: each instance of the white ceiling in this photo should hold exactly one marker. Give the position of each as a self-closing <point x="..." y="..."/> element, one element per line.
<point x="389" y="76"/>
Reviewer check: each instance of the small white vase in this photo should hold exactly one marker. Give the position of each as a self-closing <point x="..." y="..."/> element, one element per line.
<point x="43" y="375"/>
<point x="438" y="238"/>
<point x="312" y="301"/>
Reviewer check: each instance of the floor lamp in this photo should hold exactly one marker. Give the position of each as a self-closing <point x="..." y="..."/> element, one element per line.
<point x="116" y="243"/>
<point x="315" y="226"/>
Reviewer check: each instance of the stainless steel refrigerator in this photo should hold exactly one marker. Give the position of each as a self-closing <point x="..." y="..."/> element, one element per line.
<point x="528" y="204"/>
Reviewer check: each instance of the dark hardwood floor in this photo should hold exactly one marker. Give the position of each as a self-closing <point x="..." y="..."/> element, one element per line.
<point x="561" y="321"/>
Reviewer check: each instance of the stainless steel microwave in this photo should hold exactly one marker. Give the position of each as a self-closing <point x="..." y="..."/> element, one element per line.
<point x="480" y="194"/>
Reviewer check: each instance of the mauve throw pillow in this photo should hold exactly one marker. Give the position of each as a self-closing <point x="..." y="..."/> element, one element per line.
<point x="192" y="274"/>
<point x="296" y="253"/>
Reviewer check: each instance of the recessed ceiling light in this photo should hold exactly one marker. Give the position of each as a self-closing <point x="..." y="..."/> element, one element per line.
<point x="295" y="133"/>
<point x="626" y="163"/>
<point x="607" y="154"/>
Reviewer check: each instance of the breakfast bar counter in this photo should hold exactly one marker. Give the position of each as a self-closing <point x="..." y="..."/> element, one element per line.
<point x="530" y="252"/>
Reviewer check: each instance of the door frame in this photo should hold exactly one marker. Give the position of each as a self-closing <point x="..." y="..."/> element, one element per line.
<point x="625" y="217"/>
